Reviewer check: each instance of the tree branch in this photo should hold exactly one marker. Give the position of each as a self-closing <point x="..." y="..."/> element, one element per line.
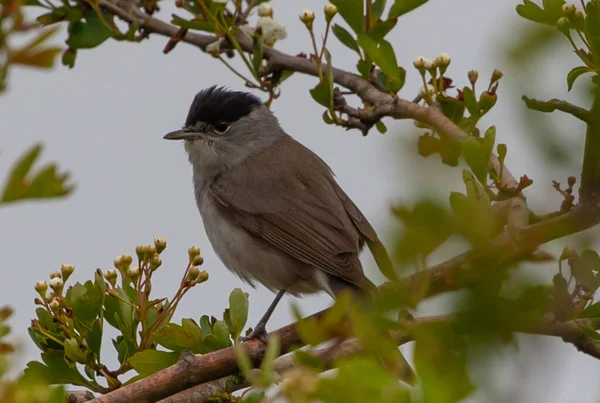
<point x="383" y="103"/>
<point x="556" y="104"/>
<point x="199" y="369"/>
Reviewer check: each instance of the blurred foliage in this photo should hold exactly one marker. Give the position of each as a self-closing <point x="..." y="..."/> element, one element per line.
<point x="43" y="183"/>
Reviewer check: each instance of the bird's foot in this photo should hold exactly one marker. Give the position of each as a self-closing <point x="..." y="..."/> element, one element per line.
<point x="258" y="333"/>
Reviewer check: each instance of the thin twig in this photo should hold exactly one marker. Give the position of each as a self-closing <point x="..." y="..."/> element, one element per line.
<point x="557" y="104"/>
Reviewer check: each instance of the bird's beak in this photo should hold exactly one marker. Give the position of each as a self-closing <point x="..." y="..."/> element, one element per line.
<point x="182" y="134"/>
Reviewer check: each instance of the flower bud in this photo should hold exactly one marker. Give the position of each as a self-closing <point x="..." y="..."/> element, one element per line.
<point x="430" y="64"/>
<point x="54" y="305"/>
<point x="307" y="17"/>
<point x="473" y="76"/>
<point x="198" y="260"/>
<point x="55" y="274"/>
<point x="193" y="251"/>
<point x="66" y="271"/>
<point x="111" y="276"/>
<point x="443" y="60"/>
<point x="41" y="287"/>
<point x="156" y="262"/>
<point x="202" y="276"/>
<point x="330" y="11"/>
<point x="126" y="259"/>
<point x="568" y="8"/>
<point x="161" y="243"/>
<point x="429" y="89"/>
<point x="571" y="180"/>
<point x="568" y="253"/>
<point x="140" y="251"/>
<point x="419" y="63"/>
<point x="578" y="15"/>
<point x="193" y="273"/>
<point x="56" y="283"/>
<point x="265" y="9"/>
<point x="501" y="149"/>
<point x="496" y="75"/>
<point x="563" y="24"/>
<point x="133" y="272"/>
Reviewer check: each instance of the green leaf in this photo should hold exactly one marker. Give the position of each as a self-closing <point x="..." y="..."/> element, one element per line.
<point x="589" y="332"/>
<point x="592" y="311"/>
<point x="477" y="153"/>
<point x="377" y="9"/>
<point x="401" y="7"/>
<point x="119" y="314"/>
<point x="381" y="128"/>
<point x="549" y="15"/>
<point x="86" y="300"/>
<point x="44" y="184"/>
<point x="326" y="118"/>
<point x="56" y="370"/>
<point x="592" y="26"/>
<point x="364" y="67"/>
<point x="345" y="38"/>
<point x="188" y="336"/>
<point x="73" y="351"/>
<point x="575" y="73"/>
<point x="125" y="348"/>
<point x="238" y="311"/>
<point x="352" y="11"/>
<point x="89" y="34"/>
<point x="257" y="53"/>
<point x="94" y="337"/>
<point x="440" y="357"/>
<point x="323" y="92"/>
<point x="383" y="55"/>
<point x="452" y="108"/>
<point x="361" y="379"/>
<point x="148" y="362"/>
<point x="381" y="29"/>
<point x="219" y="338"/>
<point x="471" y="103"/>
<point x="205" y="26"/>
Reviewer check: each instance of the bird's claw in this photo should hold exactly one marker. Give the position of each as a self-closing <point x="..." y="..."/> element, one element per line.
<point x="258" y="333"/>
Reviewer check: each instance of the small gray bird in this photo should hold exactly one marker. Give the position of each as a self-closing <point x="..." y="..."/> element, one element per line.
<point x="271" y="208"/>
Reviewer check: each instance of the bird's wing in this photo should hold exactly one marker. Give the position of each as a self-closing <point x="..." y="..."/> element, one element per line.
<point x="292" y="202"/>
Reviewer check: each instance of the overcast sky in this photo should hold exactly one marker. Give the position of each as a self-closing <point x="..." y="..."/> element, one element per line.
<point x="104" y="121"/>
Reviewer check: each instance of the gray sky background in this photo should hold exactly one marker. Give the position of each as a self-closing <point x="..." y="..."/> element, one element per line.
<point x="104" y="121"/>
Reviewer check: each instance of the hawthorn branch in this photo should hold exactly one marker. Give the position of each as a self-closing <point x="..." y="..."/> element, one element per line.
<point x="200" y="369"/>
<point x="383" y="104"/>
<point x="557" y="104"/>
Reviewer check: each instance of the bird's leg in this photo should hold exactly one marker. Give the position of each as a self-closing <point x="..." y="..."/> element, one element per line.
<point x="260" y="332"/>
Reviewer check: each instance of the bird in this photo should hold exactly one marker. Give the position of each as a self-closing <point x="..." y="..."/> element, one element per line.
<point x="271" y="208"/>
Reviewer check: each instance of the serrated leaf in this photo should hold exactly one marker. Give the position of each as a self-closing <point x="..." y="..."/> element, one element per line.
<point x="352" y="11"/>
<point x="16" y="185"/>
<point x="94" y="337"/>
<point x="148" y="362"/>
<point x="187" y="336"/>
<point x="125" y="348"/>
<point x="364" y="67"/>
<point x="56" y="370"/>
<point x="549" y="15"/>
<point x="345" y="38"/>
<point x="477" y="153"/>
<point x="323" y="92"/>
<point x="73" y="351"/>
<point x="575" y="73"/>
<point x="86" y="300"/>
<point x="401" y="7"/>
<point x="219" y="338"/>
<point x="90" y="32"/>
<point x="452" y="108"/>
<point x="238" y="311"/>
<point x="471" y="102"/>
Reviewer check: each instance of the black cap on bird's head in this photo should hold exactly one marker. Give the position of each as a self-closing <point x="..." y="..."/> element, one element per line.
<point x="220" y="105"/>
<point x="216" y="107"/>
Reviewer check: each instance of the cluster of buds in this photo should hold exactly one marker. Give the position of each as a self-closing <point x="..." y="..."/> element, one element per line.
<point x="194" y="275"/>
<point x="307" y="16"/>
<point x="424" y="64"/>
<point x="572" y="17"/>
<point x="57" y="281"/>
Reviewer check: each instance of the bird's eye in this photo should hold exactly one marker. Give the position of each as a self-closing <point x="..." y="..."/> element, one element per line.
<point x="220" y="128"/>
